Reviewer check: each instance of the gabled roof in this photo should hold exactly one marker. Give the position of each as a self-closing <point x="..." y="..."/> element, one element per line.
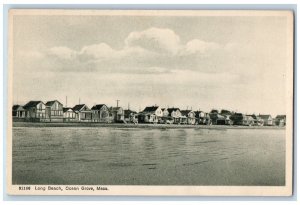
<point x="197" y="113"/>
<point x="98" y="107"/>
<point x="170" y="110"/>
<point x="17" y="107"/>
<point x="128" y="112"/>
<point x="214" y="111"/>
<point x="65" y="109"/>
<point x="50" y="103"/>
<point x="281" y="116"/>
<point x="32" y="104"/>
<point x="265" y="117"/>
<point x="253" y="116"/>
<point x="79" y="107"/>
<point x="185" y="112"/>
<point x="226" y="112"/>
<point x="151" y="109"/>
<point x="216" y="116"/>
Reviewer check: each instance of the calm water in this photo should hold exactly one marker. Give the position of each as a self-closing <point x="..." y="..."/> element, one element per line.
<point x="134" y="156"/>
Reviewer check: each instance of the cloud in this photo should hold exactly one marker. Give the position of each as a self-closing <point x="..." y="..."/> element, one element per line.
<point x="155" y="39"/>
<point x="154" y="50"/>
<point x="97" y="51"/>
<point x="62" y="52"/>
<point x="199" y="46"/>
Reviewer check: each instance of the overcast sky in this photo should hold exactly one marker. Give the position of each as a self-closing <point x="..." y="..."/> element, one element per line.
<point x="236" y="63"/>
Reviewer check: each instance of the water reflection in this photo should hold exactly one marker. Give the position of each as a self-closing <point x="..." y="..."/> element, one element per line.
<point x="148" y="156"/>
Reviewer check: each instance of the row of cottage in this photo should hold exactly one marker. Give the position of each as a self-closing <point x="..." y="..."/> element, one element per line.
<point x="53" y="111"/>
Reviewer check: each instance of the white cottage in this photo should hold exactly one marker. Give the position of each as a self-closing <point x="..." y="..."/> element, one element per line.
<point x="151" y="114"/>
<point x="69" y="115"/>
<point x="188" y="117"/>
<point x="175" y="114"/>
<point x="35" y="111"/>
<point x="83" y="113"/>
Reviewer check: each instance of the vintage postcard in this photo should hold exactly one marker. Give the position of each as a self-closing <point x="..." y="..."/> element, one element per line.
<point x="150" y="102"/>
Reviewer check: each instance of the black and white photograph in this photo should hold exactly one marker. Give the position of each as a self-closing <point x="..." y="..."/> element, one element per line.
<point x="150" y="102"/>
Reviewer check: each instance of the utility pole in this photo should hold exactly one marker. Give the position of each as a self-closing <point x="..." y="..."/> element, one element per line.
<point x="66" y="101"/>
<point x="117" y="103"/>
<point x="79" y="101"/>
<point x="128" y="106"/>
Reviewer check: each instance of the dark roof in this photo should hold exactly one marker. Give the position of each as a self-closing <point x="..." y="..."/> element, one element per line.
<point x="50" y="103"/>
<point x="197" y="113"/>
<point x="128" y="112"/>
<point x="98" y="107"/>
<point x="185" y="112"/>
<point x="170" y="110"/>
<point x="265" y="116"/>
<point x="281" y="116"/>
<point x="226" y="112"/>
<point x="78" y="107"/>
<point x="253" y="116"/>
<point x="16" y="107"/>
<point x="214" y="111"/>
<point x="150" y="109"/>
<point x="65" y="109"/>
<point x="216" y="116"/>
<point x="32" y="104"/>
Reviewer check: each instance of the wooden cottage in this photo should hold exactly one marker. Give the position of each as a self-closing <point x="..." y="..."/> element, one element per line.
<point x="200" y="117"/>
<point x="227" y="117"/>
<point x="83" y="113"/>
<point x="54" y="111"/>
<point x="222" y="118"/>
<point x="257" y="120"/>
<point x="130" y="116"/>
<point x="151" y="114"/>
<point x="100" y="113"/>
<point x="116" y="114"/>
<point x="18" y="111"/>
<point x="268" y="120"/>
<point x="280" y="120"/>
<point x="35" y="111"/>
<point x="188" y="117"/>
<point x="69" y="115"/>
<point x="215" y="117"/>
<point x="241" y="119"/>
<point x="165" y="112"/>
<point x="166" y="118"/>
<point x="175" y="114"/>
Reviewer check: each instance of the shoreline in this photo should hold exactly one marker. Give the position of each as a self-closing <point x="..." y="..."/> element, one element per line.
<point x="152" y="126"/>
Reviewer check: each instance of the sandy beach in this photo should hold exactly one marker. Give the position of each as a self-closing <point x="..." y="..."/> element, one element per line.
<point x="120" y="125"/>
